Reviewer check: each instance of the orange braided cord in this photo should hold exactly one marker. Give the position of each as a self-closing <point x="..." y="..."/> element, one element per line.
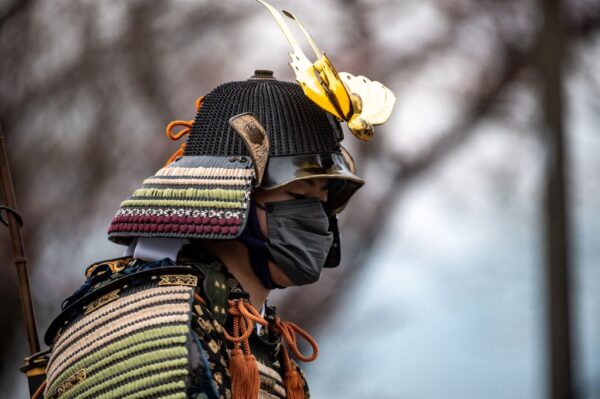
<point x="176" y="155"/>
<point x="248" y="311"/>
<point x="288" y="331"/>
<point x="176" y="136"/>
<point x="244" y="313"/>
<point x="199" y="102"/>
<point x="286" y="358"/>
<point x="238" y="339"/>
<point x="187" y="127"/>
<point x="248" y="326"/>
<point x="244" y="327"/>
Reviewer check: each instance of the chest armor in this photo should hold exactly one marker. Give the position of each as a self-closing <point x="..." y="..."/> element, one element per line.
<point x="151" y="330"/>
<point x="128" y="331"/>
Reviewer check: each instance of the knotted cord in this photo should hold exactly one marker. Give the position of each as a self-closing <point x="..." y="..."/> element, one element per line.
<point x="288" y="331"/>
<point x="242" y="365"/>
<point x="187" y="127"/>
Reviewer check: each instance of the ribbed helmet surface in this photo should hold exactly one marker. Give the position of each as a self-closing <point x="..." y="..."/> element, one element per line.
<point x="294" y="124"/>
<point x="205" y="193"/>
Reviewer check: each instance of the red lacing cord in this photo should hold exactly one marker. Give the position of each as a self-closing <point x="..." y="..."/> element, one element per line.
<point x="187" y="127"/>
<point x="199" y="299"/>
<point x="39" y="391"/>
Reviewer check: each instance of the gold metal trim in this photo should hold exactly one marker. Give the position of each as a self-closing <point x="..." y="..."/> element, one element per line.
<point x="178" y="279"/>
<point x="103" y="300"/>
<point x="115" y="265"/>
<point x="255" y="137"/>
<point x="69" y="383"/>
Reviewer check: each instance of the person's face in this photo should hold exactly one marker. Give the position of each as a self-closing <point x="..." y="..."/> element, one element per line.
<point x="311" y="188"/>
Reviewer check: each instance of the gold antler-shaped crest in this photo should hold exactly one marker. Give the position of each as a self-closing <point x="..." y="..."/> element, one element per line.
<point x="357" y="100"/>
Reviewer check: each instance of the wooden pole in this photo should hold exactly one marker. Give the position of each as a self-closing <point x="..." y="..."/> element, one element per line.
<point x="556" y="213"/>
<point x="18" y="249"/>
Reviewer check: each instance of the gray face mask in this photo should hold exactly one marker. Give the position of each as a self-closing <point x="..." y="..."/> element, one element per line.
<point x="298" y="238"/>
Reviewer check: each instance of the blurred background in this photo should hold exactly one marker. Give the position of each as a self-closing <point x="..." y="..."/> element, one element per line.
<point x="443" y="290"/>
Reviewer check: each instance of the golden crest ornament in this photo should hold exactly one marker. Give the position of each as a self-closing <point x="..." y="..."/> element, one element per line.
<point x="360" y="102"/>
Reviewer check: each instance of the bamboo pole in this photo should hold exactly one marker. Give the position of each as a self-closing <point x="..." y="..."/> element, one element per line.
<point x="18" y="248"/>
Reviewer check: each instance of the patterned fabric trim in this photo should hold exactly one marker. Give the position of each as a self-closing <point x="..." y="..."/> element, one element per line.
<point x="188" y="203"/>
<point x="153" y="339"/>
<point x="194" y="182"/>
<point x="180" y="228"/>
<point x="180" y="212"/>
<point x="96" y="339"/>
<point x="156" y="341"/>
<point x="135" y="346"/>
<point x="205" y="172"/>
<point x="128" y="346"/>
<point x="199" y="187"/>
<point x="215" y="194"/>
<point x="144" y="300"/>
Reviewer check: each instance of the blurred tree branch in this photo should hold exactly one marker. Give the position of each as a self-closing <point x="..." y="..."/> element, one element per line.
<point x="325" y="296"/>
<point x="125" y="78"/>
<point x="311" y="306"/>
<point x="13" y="9"/>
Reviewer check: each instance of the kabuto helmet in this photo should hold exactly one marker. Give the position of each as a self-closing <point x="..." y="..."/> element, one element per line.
<point x="303" y="139"/>
<point x="205" y="192"/>
<point x="257" y="133"/>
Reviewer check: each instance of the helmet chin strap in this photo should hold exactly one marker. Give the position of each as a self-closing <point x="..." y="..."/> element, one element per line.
<point x="254" y="240"/>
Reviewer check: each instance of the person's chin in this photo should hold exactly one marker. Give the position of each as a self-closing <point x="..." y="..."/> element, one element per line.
<point x="278" y="277"/>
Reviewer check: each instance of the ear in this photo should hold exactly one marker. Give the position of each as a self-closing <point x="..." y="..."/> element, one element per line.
<point x="256" y="140"/>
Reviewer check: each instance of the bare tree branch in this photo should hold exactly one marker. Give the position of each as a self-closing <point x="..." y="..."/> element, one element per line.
<point x="13" y="9"/>
<point x="326" y="295"/>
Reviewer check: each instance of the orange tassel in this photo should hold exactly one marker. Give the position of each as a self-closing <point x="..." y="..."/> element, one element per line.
<point x="253" y="377"/>
<point x="239" y="371"/>
<point x="245" y="377"/>
<point x="294" y="387"/>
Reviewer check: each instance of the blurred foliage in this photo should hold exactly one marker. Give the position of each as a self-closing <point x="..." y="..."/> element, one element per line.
<point x="86" y="88"/>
